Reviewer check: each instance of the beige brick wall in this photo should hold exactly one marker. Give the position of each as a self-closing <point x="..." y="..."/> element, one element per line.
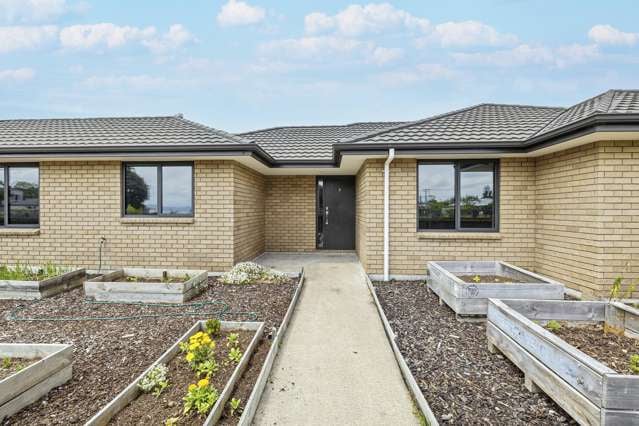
<point x="362" y="210"/>
<point x="249" y="197"/>
<point x="410" y="249"/>
<point x="290" y="213"/>
<point x="587" y="215"/>
<point x="80" y="202"/>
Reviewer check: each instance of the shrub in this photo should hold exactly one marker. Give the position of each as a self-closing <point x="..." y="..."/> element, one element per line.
<point x="155" y="381"/>
<point x="201" y="397"/>
<point x="212" y="327"/>
<point x="249" y="273"/>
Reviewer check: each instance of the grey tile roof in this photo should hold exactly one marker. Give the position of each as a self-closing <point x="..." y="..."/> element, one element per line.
<point x="310" y="142"/>
<point x="129" y="131"/>
<point x="480" y="123"/>
<point x="610" y="102"/>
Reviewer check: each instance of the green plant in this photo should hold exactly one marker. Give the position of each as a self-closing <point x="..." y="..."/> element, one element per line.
<point x="235" y="355"/>
<point x="201" y="397"/>
<point x="477" y="278"/>
<point x="616" y="291"/>
<point x="212" y="327"/>
<point x="234" y="406"/>
<point x="20" y="272"/>
<point x="206" y="368"/>
<point x="634" y="363"/>
<point x="132" y="279"/>
<point x="6" y="363"/>
<point x="233" y="339"/>
<point x="155" y="381"/>
<point x="199" y="349"/>
<point x="171" y="421"/>
<point x="553" y="326"/>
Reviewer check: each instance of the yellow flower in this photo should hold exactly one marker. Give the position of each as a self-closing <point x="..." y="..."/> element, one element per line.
<point x="212" y="345"/>
<point x="203" y="383"/>
<point x="194" y="346"/>
<point x="192" y="388"/>
<point x="190" y="356"/>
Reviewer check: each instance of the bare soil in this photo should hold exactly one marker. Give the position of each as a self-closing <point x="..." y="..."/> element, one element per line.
<point x="151" y="410"/>
<point x="109" y="355"/>
<point x="611" y="349"/>
<point x="461" y="380"/>
<point x="15" y="365"/>
<point x="488" y="279"/>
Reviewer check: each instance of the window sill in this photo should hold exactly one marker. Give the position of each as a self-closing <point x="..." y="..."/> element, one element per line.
<point x="459" y="236"/>
<point x="157" y="220"/>
<point x="19" y="232"/>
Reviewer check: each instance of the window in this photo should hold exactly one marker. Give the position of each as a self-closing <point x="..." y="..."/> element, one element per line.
<point x="158" y="189"/>
<point x="457" y="195"/>
<point x="19" y="195"/>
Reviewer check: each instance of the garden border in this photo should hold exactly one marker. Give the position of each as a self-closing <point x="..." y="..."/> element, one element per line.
<point x="250" y="408"/>
<point x="587" y="389"/>
<point x="104" y="288"/>
<point x="32" y="383"/>
<point x="132" y="391"/>
<point x="35" y="290"/>
<point x="409" y="379"/>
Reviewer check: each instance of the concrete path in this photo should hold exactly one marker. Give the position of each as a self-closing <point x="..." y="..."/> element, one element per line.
<point x="335" y="365"/>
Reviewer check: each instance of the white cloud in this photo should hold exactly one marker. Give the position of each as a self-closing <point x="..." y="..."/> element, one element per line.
<point x="102" y="35"/>
<point x="357" y="20"/>
<point x="237" y="12"/>
<point x="176" y="37"/>
<point x="385" y="55"/>
<point x="524" y="54"/>
<point x="419" y="73"/>
<point x="18" y="74"/>
<point x="22" y="37"/>
<point x="311" y="47"/>
<point x="467" y="33"/>
<point x="31" y="10"/>
<point x="135" y="82"/>
<point x="607" y="34"/>
<point x="108" y="35"/>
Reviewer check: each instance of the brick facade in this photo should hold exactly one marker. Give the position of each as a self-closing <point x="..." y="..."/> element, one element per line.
<point x="290" y="213"/>
<point x="80" y="202"/>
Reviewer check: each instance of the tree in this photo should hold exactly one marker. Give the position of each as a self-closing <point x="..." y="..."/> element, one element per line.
<point x="136" y="191"/>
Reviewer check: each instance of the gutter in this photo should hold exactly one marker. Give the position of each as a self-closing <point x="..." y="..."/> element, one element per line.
<point x="389" y="160"/>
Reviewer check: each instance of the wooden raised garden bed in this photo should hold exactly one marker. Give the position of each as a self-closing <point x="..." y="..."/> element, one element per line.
<point x="591" y="392"/>
<point x="38" y="284"/>
<point x="466" y="286"/>
<point x="128" y="398"/>
<point x="44" y="368"/>
<point x="147" y="285"/>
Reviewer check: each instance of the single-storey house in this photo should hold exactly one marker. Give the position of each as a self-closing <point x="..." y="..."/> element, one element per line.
<point x="555" y="190"/>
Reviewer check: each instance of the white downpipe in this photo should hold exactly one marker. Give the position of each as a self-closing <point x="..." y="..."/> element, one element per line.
<point x="389" y="160"/>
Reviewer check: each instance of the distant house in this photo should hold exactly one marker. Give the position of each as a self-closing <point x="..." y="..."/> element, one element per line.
<point x="552" y="189"/>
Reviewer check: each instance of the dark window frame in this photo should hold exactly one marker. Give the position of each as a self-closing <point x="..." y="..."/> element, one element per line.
<point x="158" y="166"/>
<point x="5" y="171"/>
<point x="458" y="164"/>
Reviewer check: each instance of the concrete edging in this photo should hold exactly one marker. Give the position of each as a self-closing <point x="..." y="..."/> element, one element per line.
<point x="132" y="391"/>
<point x="250" y="408"/>
<point x="32" y="383"/>
<point x="409" y="379"/>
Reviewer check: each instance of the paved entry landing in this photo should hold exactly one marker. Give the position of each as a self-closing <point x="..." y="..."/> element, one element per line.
<point x="335" y="365"/>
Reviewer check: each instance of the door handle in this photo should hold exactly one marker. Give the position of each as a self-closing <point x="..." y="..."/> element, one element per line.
<point x="326" y="215"/>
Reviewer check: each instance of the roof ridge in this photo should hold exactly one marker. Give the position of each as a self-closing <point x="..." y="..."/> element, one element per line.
<point x="5" y="120"/>
<point x="408" y="124"/>
<point x="524" y="106"/>
<point x="214" y="130"/>
<point x="317" y="126"/>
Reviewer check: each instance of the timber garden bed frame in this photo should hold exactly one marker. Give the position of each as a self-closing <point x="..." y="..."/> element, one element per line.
<point x="33" y="290"/>
<point x="28" y="385"/>
<point x="107" y="288"/>
<point x="470" y="299"/>
<point x="585" y="388"/>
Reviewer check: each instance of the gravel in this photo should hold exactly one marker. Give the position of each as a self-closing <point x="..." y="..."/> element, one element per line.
<point x="460" y="379"/>
<point x="108" y="355"/>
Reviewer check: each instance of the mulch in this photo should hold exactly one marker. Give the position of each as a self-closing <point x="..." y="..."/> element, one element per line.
<point x="109" y="355"/>
<point x="462" y="382"/>
<point x="611" y="349"/>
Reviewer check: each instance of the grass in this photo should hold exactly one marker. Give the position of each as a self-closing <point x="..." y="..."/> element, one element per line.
<point x="21" y="272"/>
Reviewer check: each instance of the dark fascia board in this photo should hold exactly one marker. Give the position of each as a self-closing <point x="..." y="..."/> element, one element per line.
<point x="252" y="150"/>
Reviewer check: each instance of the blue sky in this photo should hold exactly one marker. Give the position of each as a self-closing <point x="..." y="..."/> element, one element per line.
<point x="242" y="65"/>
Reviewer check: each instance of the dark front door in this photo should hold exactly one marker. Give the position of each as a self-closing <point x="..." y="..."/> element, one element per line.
<point x="336" y="212"/>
